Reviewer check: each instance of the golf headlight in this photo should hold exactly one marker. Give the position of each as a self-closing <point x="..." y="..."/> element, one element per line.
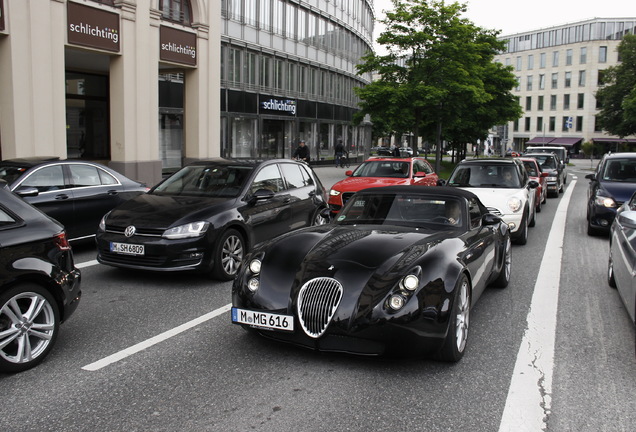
<point x="253" y="284"/>
<point x="605" y="201"/>
<point x="193" y="229"/>
<point x="255" y="266"/>
<point x="334" y="192"/>
<point x="102" y="223"/>
<point x="396" y="302"/>
<point x="410" y="282"/>
<point x="514" y="204"/>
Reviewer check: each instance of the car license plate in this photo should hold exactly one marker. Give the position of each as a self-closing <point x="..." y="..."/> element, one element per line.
<point x="263" y="319"/>
<point x="127" y="248"/>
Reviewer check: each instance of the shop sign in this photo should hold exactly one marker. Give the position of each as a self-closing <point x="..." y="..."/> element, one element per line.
<point x="177" y="46"/>
<point x="1" y="15"/>
<point x="278" y="106"/>
<point x="92" y="27"/>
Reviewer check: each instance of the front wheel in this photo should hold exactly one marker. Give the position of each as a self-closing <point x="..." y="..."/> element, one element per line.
<point x="228" y="255"/>
<point x="455" y="342"/>
<point x="522" y="234"/>
<point x="610" y="273"/>
<point x="504" y="274"/>
<point x="318" y="218"/>
<point x="29" y="324"/>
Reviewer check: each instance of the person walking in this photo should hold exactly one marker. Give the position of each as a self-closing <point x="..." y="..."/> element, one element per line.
<point x="302" y="152"/>
<point x="339" y="152"/>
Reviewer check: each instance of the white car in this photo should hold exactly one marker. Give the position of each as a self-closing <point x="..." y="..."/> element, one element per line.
<point x="504" y="187"/>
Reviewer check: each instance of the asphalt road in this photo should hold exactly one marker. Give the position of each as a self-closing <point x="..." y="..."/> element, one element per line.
<point x="213" y="376"/>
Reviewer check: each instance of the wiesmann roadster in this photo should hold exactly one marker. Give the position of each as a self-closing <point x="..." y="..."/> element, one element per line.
<point x="398" y="271"/>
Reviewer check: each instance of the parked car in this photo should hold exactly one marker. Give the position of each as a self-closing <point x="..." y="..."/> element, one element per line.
<point x="397" y="272"/>
<point x="381" y="171"/>
<point x="535" y="173"/>
<point x="505" y="188"/>
<point x="75" y="193"/>
<point x="561" y="153"/>
<point x="39" y="285"/>
<point x="621" y="266"/>
<point x="208" y="214"/>
<point x="613" y="183"/>
<point x="549" y="163"/>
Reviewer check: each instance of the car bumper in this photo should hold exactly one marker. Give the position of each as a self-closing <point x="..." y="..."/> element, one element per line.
<point x="159" y="254"/>
<point x="70" y="285"/>
<point x="601" y="217"/>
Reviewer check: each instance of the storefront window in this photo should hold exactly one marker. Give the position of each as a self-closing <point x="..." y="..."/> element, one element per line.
<point x="242" y="139"/>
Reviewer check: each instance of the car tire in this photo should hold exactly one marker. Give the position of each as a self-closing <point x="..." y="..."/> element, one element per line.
<point x="228" y="255"/>
<point x="522" y="237"/>
<point x="610" y="273"/>
<point x="21" y="332"/>
<point x="539" y="205"/>
<point x="455" y="343"/>
<point x="533" y="220"/>
<point x="504" y="274"/>
<point x="318" y="218"/>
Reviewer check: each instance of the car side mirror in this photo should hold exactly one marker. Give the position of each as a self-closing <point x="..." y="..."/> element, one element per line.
<point x="533" y="184"/>
<point x="590" y="177"/>
<point x="27" y="191"/>
<point x="490" y="219"/>
<point x="627" y="219"/>
<point x="441" y="182"/>
<point x="420" y="174"/>
<point x="349" y="173"/>
<point x="262" y="195"/>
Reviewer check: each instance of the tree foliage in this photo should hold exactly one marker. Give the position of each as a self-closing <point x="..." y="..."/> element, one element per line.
<point x="438" y="79"/>
<point x="618" y="97"/>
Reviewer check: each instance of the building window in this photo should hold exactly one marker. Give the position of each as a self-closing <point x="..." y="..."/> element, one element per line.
<point x="529" y="83"/>
<point x="249" y="70"/>
<point x="583" y="57"/>
<point x="565" y="123"/>
<point x="597" y="128"/>
<point x="552" y="124"/>
<point x="542" y="60"/>
<point x="568" y="57"/>
<point x="234" y="66"/>
<point x="555" y="59"/>
<point x="555" y="80"/>
<point x="566" y="101"/>
<point x="265" y="15"/>
<point x="518" y="88"/>
<point x="539" y="124"/>
<point x="527" y="124"/>
<point x="530" y="62"/>
<point x="568" y="79"/>
<point x="518" y="63"/>
<point x="265" y="72"/>
<point x="528" y="103"/>
<point x="540" y="103"/>
<point x="553" y="102"/>
<point x="180" y="11"/>
<point x="542" y="82"/>
<point x="515" y="125"/>
<point x="601" y="78"/>
<point x="579" y="124"/>
<point x="582" y="78"/>
<point x="602" y="54"/>
<point x="580" y="101"/>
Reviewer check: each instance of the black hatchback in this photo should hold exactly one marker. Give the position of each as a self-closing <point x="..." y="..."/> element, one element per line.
<point x="39" y="284"/>
<point x="75" y="193"/>
<point x="208" y="214"/>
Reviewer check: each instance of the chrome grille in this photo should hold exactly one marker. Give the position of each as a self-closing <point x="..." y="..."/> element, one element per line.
<point x="317" y="303"/>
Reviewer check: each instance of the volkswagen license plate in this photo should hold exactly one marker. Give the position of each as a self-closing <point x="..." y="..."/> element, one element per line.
<point x="263" y="319"/>
<point x="127" y="248"/>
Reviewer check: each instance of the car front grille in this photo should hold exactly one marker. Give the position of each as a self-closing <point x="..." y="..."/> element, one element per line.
<point x="317" y="303"/>
<point x="494" y="211"/>
<point x="146" y="232"/>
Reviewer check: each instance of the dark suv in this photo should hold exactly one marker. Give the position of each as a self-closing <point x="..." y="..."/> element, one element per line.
<point x="613" y="183"/>
<point x="550" y="163"/>
<point x="39" y="284"/>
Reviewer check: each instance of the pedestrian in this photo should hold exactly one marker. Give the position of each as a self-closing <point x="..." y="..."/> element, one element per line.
<point x="302" y="152"/>
<point x="396" y="151"/>
<point x="339" y="152"/>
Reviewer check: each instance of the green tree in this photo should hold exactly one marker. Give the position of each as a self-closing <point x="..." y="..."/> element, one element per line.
<point x="438" y="79"/>
<point x="618" y="97"/>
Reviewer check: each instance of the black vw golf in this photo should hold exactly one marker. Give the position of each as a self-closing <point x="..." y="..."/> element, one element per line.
<point x="208" y="214"/>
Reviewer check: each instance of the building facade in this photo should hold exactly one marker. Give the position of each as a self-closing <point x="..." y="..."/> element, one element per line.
<point x="288" y="74"/>
<point x="559" y="69"/>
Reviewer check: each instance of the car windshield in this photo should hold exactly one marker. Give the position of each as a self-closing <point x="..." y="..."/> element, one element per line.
<point x="480" y="175"/>
<point x="384" y="168"/>
<point x="531" y="167"/>
<point x="403" y="209"/>
<point x="620" y="170"/>
<point x="206" y="180"/>
<point x="10" y="173"/>
<point x="546" y="162"/>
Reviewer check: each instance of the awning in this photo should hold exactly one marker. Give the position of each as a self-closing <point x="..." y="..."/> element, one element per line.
<point x="566" y="142"/>
<point x="540" y="140"/>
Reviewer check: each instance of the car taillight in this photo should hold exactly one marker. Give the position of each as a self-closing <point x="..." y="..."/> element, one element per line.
<point x="61" y="241"/>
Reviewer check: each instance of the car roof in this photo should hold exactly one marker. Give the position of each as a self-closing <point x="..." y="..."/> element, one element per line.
<point x="241" y="162"/>
<point x="531" y="155"/>
<point x="393" y="158"/>
<point x="488" y="161"/>
<point x="424" y="190"/>
<point x="621" y="155"/>
<point x="30" y="161"/>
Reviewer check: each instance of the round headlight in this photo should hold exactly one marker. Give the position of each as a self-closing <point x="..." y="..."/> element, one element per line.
<point x="253" y="284"/>
<point x="410" y="282"/>
<point x="255" y="266"/>
<point x="396" y="302"/>
<point x="514" y="204"/>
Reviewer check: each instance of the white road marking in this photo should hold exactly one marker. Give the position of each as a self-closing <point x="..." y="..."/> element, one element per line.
<point x="155" y="340"/>
<point x="529" y="400"/>
<point x="86" y="264"/>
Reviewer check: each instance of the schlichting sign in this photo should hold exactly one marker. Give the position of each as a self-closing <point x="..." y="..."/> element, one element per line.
<point x="287" y="106"/>
<point x="92" y="27"/>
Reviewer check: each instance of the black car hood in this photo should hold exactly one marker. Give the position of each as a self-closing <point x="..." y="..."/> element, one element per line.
<point x="161" y="211"/>
<point x="620" y="191"/>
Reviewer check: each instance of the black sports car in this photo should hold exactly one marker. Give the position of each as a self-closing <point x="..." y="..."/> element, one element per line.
<point x="398" y="271"/>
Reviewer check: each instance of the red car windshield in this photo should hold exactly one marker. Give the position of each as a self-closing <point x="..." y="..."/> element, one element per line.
<point x="384" y="168"/>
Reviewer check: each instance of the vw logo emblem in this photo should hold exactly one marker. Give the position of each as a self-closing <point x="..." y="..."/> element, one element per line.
<point x="130" y="231"/>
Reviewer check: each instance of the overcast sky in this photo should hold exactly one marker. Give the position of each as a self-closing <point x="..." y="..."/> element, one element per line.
<point x="516" y="16"/>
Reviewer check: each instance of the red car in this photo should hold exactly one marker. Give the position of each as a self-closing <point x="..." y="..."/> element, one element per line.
<point x="535" y="173"/>
<point x="381" y="171"/>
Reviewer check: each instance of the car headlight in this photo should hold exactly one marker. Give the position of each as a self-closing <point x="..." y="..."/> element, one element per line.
<point x="551" y="179"/>
<point x="102" y="223"/>
<point x="334" y="192"/>
<point x="410" y="282"/>
<point x="193" y="229"/>
<point x="255" y="266"/>
<point x="605" y="201"/>
<point x="396" y="302"/>
<point x="514" y="204"/>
